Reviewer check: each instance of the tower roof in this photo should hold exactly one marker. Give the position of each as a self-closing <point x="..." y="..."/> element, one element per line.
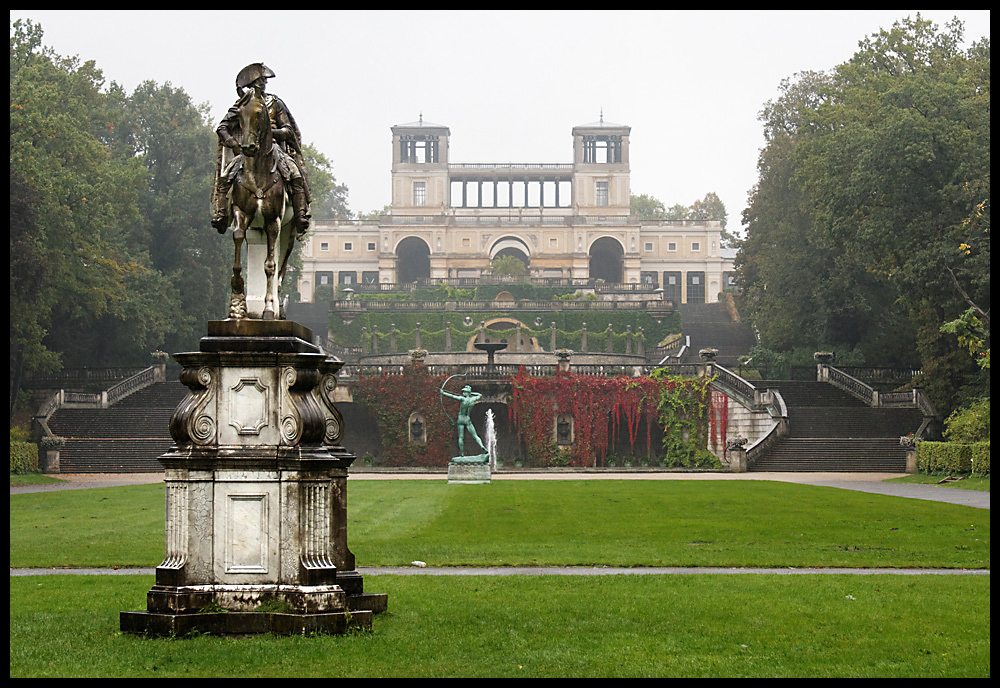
<point x="420" y="124"/>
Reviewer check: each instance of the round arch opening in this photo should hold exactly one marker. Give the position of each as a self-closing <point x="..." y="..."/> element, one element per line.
<point x="494" y="326"/>
<point x="607" y="260"/>
<point x="512" y="246"/>
<point x="413" y="260"/>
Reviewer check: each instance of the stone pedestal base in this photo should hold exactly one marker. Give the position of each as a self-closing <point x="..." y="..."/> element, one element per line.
<point x="469" y="473"/>
<point x="243" y="623"/>
<point x="256" y="494"/>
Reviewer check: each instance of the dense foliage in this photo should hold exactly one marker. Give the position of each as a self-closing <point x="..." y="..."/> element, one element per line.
<point x="569" y="328"/>
<point x="869" y="226"/>
<point x="954" y="458"/>
<point x="112" y="254"/>
<point x="393" y="398"/>
<point x="603" y="408"/>
<point x="23" y="453"/>
<point x="108" y="214"/>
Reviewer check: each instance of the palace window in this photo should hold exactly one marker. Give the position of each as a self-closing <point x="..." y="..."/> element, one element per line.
<point x="602" y="194"/>
<point x="419" y="193"/>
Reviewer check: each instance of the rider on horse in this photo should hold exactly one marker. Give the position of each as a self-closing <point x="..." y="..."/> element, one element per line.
<point x="289" y="147"/>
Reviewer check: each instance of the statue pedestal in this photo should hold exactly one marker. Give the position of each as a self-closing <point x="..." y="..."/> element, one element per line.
<point x="473" y="473"/>
<point x="256" y="493"/>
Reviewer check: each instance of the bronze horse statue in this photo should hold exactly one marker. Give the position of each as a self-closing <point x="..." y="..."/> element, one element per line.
<point x="260" y="204"/>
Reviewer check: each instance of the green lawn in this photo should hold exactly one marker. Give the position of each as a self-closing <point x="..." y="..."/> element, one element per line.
<point x="704" y="625"/>
<point x="640" y="625"/>
<point x="32" y="479"/>
<point x="518" y="523"/>
<point x="971" y="482"/>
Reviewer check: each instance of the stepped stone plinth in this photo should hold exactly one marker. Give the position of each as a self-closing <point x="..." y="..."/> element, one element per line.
<point x="256" y="493"/>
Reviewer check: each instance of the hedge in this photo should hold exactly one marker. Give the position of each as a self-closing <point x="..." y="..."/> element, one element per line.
<point x="953" y="457"/>
<point x="23" y="457"/>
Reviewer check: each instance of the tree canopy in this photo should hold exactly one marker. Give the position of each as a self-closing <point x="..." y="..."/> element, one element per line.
<point x="869" y="224"/>
<point x="111" y="252"/>
<point x="711" y="207"/>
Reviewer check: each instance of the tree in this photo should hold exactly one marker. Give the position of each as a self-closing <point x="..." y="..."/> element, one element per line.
<point x="507" y="266"/>
<point x="646" y="207"/>
<point x="171" y="137"/>
<point x="329" y="199"/>
<point x="112" y="252"/>
<point x="81" y="199"/>
<point x="375" y="215"/>
<point x="875" y="176"/>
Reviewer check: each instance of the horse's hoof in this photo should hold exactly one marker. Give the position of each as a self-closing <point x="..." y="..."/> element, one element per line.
<point x="268" y="315"/>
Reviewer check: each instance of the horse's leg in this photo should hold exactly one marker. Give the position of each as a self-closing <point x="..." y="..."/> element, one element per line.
<point x="271" y="229"/>
<point x="237" y="302"/>
<point x="285" y="244"/>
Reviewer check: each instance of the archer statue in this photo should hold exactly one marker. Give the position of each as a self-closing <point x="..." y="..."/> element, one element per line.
<point x="466" y="401"/>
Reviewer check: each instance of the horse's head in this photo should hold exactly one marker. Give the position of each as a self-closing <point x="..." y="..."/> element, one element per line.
<point x="255" y="122"/>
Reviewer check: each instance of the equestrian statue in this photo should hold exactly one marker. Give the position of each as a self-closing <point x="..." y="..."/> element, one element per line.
<point x="261" y="190"/>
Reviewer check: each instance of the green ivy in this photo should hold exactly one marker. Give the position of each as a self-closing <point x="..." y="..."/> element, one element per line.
<point x="683" y="409"/>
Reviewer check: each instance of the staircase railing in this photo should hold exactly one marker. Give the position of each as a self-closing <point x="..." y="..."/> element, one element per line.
<point x="913" y="398"/>
<point x="676" y="349"/>
<point x="63" y="399"/>
<point x="851" y="385"/>
<point x="731" y="384"/>
<point x="140" y="380"/>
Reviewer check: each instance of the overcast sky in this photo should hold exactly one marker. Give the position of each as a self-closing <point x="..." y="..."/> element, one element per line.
<point x="510" y="85"/>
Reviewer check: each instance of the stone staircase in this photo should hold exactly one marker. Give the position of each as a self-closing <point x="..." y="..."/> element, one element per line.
<point x="709" y="326"/>
<point x="125" y="438"/>
<point x="830" y="430"/>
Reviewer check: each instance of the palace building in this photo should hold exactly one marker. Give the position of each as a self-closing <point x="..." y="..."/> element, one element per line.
<point x="569" y="223"/>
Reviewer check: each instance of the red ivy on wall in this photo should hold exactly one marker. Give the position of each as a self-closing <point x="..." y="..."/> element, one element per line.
<point x="602" y="408"/>
<point x="393" y="398"/>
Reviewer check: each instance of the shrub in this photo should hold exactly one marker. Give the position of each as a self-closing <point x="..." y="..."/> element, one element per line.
<point x="970" y="423"/>
<point x="953" y="457"/>
<point x="23" y="455"/>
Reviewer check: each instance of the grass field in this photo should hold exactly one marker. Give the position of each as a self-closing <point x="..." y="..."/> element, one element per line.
<point x="579" y="522"/>
<point x="686" y="625"/>
<point x="969" y="482"/>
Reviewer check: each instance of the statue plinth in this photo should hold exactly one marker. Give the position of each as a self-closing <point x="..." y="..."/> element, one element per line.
<point x="256" y="493"/>
<point x="469" y="472"/>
